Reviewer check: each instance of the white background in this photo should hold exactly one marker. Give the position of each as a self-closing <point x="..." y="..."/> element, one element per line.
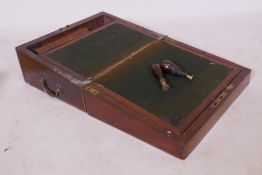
<point x="42" y="135"/>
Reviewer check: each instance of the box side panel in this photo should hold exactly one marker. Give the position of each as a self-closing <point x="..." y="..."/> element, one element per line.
<point x="44" y="79"/>
<point x="196" y="132"/>
<point x="114" y="114"/>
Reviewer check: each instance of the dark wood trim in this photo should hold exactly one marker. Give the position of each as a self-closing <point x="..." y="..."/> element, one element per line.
<point x="199" y="128"/>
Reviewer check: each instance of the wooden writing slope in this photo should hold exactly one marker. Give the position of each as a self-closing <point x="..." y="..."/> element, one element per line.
<point x="102" y="65"/>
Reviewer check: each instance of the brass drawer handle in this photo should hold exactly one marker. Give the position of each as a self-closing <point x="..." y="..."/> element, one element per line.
<point x="50" y="92"/>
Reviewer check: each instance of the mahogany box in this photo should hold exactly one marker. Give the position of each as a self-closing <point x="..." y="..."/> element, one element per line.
<point x="102" y="65"/>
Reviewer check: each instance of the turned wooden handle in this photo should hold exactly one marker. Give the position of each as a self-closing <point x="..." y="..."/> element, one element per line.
<point x="156" y="69"/>
<point x="170" y="67"/>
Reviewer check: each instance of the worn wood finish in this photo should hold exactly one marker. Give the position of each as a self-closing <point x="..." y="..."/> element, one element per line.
<point x="198" y="129"/>
<point x="34" y="72"/>
<point x="109" y="107"/>
<point x="119" y="113"/>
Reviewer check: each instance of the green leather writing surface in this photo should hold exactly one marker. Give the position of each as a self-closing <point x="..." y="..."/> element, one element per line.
<point x="135" y="82"/>
<point x="96" y="52"/>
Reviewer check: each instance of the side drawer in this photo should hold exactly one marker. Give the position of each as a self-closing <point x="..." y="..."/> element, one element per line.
<point x="45" y="79"/>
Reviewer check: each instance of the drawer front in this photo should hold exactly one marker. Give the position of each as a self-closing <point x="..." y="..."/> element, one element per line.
<point x="48" y="81"/>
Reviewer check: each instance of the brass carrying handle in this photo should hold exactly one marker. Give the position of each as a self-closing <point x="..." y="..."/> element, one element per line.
<point x="50" y="92"/>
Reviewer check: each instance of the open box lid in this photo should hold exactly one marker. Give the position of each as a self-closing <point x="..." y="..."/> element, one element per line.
<point x="115" y="57"/>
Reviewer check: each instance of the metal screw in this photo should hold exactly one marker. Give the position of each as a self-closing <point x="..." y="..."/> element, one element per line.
<point x="168" y="133"/>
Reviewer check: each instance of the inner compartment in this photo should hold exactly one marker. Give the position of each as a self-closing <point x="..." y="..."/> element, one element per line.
<point x="97" y="52"/>
<point x="134" y="81"/>
<point x="68" y="34"/>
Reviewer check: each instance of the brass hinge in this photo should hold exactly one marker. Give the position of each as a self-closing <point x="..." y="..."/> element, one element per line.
<point x="92" y="90"/>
